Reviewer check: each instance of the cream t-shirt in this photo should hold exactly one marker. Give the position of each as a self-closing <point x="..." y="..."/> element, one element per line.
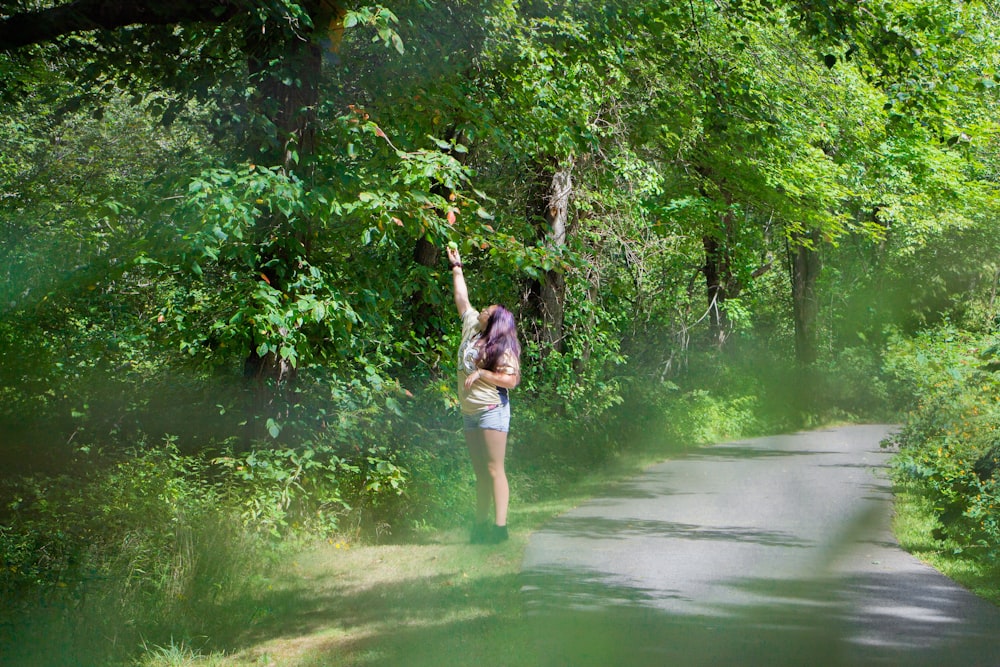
<point x="482" y="394"/>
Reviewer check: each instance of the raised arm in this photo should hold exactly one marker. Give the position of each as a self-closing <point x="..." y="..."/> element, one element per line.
<point x="461" y="290"/>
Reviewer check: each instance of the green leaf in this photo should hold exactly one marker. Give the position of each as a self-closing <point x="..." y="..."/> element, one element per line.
<point x="393" y="406"/>
<point x="440" y="143"/>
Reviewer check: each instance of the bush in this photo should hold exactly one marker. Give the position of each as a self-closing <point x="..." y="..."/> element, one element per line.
<point x="284" y="490"/>
<point x="950" y="442"/>
<point x="146" y="548"/>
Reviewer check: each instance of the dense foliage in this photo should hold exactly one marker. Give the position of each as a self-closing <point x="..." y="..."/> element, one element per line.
<point x="226" y="323"/>
<point x="950" y="446"/>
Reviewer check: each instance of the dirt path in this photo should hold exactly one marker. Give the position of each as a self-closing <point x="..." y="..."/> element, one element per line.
<point x="774" y="551"/>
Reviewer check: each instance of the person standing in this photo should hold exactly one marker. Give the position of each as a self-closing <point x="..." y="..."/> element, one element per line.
<point x="489" y="365"/>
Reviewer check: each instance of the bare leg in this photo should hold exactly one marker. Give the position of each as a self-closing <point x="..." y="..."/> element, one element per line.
<point x="480" y="465"/>
<point x="495" y="445"/>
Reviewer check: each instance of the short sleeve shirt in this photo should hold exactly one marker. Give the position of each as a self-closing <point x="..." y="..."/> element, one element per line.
<point x="482" y="394"/>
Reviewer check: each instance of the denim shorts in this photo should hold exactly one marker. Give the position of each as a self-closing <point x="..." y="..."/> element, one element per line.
<point x="494" y="419"/>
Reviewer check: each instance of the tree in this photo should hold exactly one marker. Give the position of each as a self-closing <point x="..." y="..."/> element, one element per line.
<point x="257" y="224"/>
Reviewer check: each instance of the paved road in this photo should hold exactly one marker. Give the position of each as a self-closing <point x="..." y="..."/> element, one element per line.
<point x="773" y="551"/>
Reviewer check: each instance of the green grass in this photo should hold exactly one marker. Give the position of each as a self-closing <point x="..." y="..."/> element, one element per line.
<point x="340" y="604"/>
<point x="913" y="523"/>
<point x="177" y="655"/>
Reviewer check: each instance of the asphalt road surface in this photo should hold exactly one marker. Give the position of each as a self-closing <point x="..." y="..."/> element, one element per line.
<point x="772" y="551"/>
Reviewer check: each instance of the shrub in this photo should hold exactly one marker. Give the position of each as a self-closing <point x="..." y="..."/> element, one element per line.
<point x="951" y="438"/>
<point x="142" y="548"/>
<point x="285" y="489"/>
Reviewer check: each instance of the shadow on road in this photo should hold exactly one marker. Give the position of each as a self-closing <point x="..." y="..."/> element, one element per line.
<point x="736" y="452"/>
<point x="580" y="618"/>
<point x="614" y="529"/>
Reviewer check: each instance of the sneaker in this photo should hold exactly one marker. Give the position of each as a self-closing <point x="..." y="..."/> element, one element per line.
<point x="498" y="534"/>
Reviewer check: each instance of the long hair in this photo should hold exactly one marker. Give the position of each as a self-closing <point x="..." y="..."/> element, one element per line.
<point x="500" y="337"/>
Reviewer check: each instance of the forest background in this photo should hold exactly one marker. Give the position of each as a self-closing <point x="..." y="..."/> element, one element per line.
<point x="226" y="322"/>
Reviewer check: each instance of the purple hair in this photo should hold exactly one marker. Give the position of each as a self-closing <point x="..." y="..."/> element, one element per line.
<point x="500" y="336"/>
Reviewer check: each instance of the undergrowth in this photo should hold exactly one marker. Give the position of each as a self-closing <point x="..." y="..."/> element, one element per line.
<point x="914" y="525"/>
<point x="950" y="441"/>
<point x="948" y="465"/>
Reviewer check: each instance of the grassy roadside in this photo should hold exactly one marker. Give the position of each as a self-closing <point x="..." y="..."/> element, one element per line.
<point x="437" y="602"/>
<point x="339" y="604"/>
<point x="913" y="522"/>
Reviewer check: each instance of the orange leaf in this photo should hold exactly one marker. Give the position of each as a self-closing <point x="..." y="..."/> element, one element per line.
<point x="264" y="278"/>
<point x="451" y="216"/>
<point x="398" y="221"/>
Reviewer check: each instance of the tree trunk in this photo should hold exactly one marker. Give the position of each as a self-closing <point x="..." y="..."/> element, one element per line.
<point x="552" y="287"/>
<point x="805" y="269"/>
<point x="720" y="283"/>
<point x="287" y="96"/>
<point x="715" y="270"/>
<point x="287" y="93"/>
<point x="424" y="319"/>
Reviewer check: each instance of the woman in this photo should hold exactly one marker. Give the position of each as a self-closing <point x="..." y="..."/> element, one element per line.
<point x="489" y="364"/>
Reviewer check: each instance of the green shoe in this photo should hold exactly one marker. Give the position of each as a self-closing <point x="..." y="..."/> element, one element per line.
<point x="498" y="534"/>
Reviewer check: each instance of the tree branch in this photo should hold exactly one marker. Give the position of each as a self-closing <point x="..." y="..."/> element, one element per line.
<point x="45" y="25"/>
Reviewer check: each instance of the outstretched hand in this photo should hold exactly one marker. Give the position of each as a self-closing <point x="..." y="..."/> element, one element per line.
<point x="454" y="257"/>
